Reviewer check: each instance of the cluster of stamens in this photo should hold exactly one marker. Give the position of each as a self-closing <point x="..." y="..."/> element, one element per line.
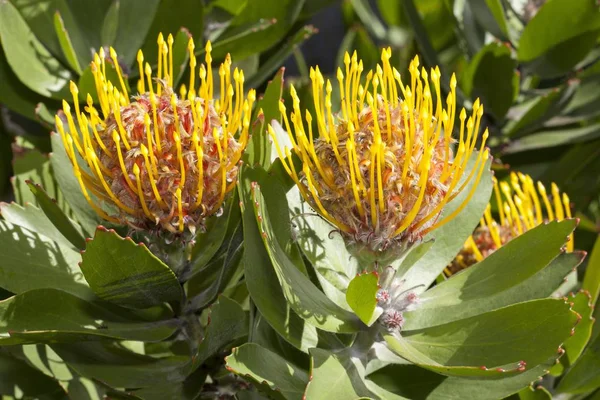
<point x="522" y="205"/>
<point x="382" y="170"/>
<point x="158" y="159"/>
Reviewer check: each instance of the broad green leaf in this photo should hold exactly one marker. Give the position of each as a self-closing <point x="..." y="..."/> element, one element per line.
<point x="34" y="166"/>
<point x="29" y="260"/>
<point x="190" y="389"/>
<point x="262" y="283"/>
<point x="53" y="212"/>
<point x="361" y="296"/>
<point x="263" y="366"/>
<point x="583" y="376"/>
<point x="581" y="304"/>
<point x="325" y="249"/>
<point x="557" y="24"/>
<point x="65" y="43"/>
<point x="334" y="376"/>
<point x="496" y="281"/>
<point x="272" y="63"/>
<point x="265" y="336"/>
<point x="32" y="218"/>
<point x="219" y="272"/>
<point x="529" y="332"/>
<point x="259" y="149"/>
<point x="35" y="67"/>
<point x="539" y="109"/>
<point x="207" y="243"/>
<point x="51" y="315"/>
<point x="417" y="383"/>
<point x="553" y="138"/>
<point x="20" y="380"/>
<point x="538" y="393"/>
<point x="128" y="23"/>
<point x="591" y="280"/>
<point x="169" y="18"/>
<point x="449" y="239"/>
<point x="63" y="173"/>
<point x="282" y="13"/>
<point x="490" y="76"/>
<point x="228" y="323"/>
<point x="119" y="367"/>
<point x="127" y="274"/>
<point x="302" y="295"/>
<point x="491" y="15"/>
<point x="14" y="95"/>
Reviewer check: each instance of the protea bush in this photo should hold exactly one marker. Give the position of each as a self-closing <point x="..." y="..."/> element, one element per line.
<point x="183" y="223"/>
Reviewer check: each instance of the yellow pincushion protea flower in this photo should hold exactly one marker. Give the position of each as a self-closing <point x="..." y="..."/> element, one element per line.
<point x="382" y="169"/>
<point x="158" y="158"/>
<point x="522" y="205"/>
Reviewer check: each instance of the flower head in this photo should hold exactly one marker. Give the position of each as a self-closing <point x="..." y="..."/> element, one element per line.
<point x="158" y="158"/>
<point x="383" y="168"/>
<point x="522" y="205"/>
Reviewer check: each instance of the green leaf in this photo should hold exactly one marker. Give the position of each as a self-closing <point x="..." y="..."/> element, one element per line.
<point x="262" y="284"/>
<point x="32" y="218"/>
<point x="302" y="295"/>
<point x="219" y="272"/>
<point x="190" y="389"/>
<point x="563" y="28"/>
<point x="259" y="147"/>
<point x="175" y="17"/>
<point x="117" y="366"/>
<point x="416" y="383"/>
<point x="591" y="280"/>
<point x="529" y="332"/>
<point x="126" y="25"/>
<point x="127" y="274"/>
<point x="282" y="13"/>
<point x="32" y="165"/>
<point x="51" y="315"/>
<point x="538" y="393"/>
<point x="533" y="113"/>
<point x="331" y="261"/>
<point x="20" y="380"/>
<point x="361" y="296"/>
<point x="29" y="260"/>
<point x="505" y="277"/>
<point x="583" y="376"/>
<point x="53" y="212"/>
<point x="35" y="67"/>
<point x="581" y="304"/>
<point x="14" y="95"/>
<point x="491" y="15"/>
<point x="63" y="173"/>
<point x="334" y="376"/>
<point x="553" y="138"/>
<point x="228" y="323"/>
<point x="209" y="242"/>
<point x="488" y="75"/>
<point x="263" y="366"/>
<point x="65" y="43"/>
<point x="276" y="59"/>
<point x="450" y="238"/>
